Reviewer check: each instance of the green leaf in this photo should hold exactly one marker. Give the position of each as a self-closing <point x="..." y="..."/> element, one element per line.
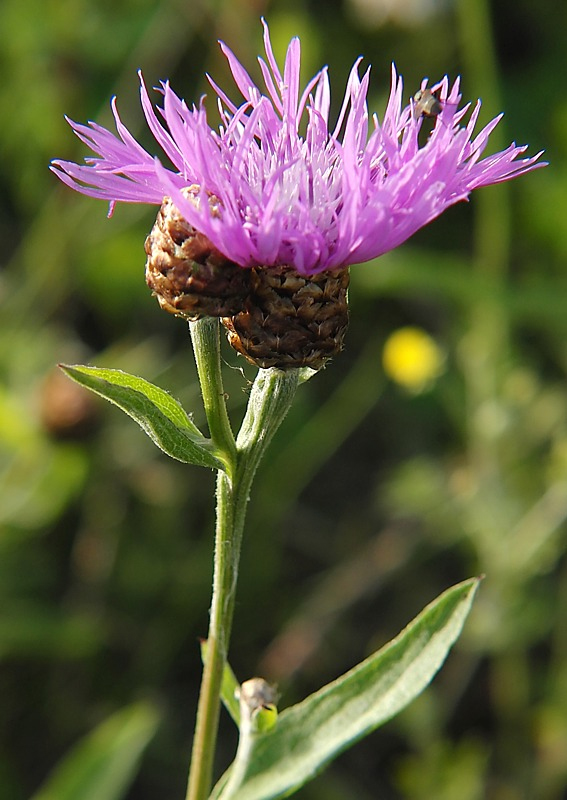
<point x="312" y="733"/>
<point x="155" y="411"/>
<point x="102" y="766"/>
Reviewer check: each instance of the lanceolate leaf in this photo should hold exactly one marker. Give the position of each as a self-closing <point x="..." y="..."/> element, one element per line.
<point x="310" y="734"/>
<point x="155" y="411"/>
<point x="102" y="766"/>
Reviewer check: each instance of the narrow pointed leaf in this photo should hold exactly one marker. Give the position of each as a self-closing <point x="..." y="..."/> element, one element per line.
<point x="155" y="411"/>
<point x="311" y="733"/>
<point x="103" y="765"/>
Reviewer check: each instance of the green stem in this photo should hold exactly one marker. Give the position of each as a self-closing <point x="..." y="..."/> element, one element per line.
<point x="206" y="346"/>
<point x="270" y="399"/>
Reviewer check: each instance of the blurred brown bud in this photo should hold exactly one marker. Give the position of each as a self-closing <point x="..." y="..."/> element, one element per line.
<point x="67" y="410"/>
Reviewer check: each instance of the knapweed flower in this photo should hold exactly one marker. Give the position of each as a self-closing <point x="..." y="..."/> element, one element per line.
<point x="276" y="188"/>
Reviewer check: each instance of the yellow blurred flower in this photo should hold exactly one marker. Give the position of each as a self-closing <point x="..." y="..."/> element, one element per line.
<point x="412" y="358"/>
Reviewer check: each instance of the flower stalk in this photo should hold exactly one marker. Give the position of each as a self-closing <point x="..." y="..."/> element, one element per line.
<point x="206" y="348"/>
<point x="270" y="398"/>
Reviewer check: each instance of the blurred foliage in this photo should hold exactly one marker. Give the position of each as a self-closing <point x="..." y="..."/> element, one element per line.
<point x="102" y="765"/>
<point x="372" y="499"/>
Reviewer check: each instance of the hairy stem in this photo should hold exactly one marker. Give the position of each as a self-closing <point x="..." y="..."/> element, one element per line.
<point x="270" y="399"/>
<point x="206" y="346"/>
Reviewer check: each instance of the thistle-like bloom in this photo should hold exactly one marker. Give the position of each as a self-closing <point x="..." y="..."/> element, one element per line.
<point x="288" y="189"/>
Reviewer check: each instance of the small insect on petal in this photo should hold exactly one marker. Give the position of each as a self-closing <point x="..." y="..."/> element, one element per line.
<point x="426" y="104"/>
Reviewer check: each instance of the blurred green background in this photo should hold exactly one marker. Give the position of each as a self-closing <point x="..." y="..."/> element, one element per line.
<point x="375" y="496"/>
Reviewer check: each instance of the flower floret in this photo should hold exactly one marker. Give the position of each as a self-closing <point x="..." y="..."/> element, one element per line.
<point x="291" y="190"/>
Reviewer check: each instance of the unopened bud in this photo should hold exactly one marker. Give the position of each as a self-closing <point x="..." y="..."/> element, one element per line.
<point x="188" y="275"/>
<point x="258" y="710"/>
<point x="291" y="320"/>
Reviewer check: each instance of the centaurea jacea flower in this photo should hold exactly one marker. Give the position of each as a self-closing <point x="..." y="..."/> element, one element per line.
<point x="277" y="191"/>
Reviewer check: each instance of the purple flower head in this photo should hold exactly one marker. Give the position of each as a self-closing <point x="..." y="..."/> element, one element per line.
<point x="291" y="190"/>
